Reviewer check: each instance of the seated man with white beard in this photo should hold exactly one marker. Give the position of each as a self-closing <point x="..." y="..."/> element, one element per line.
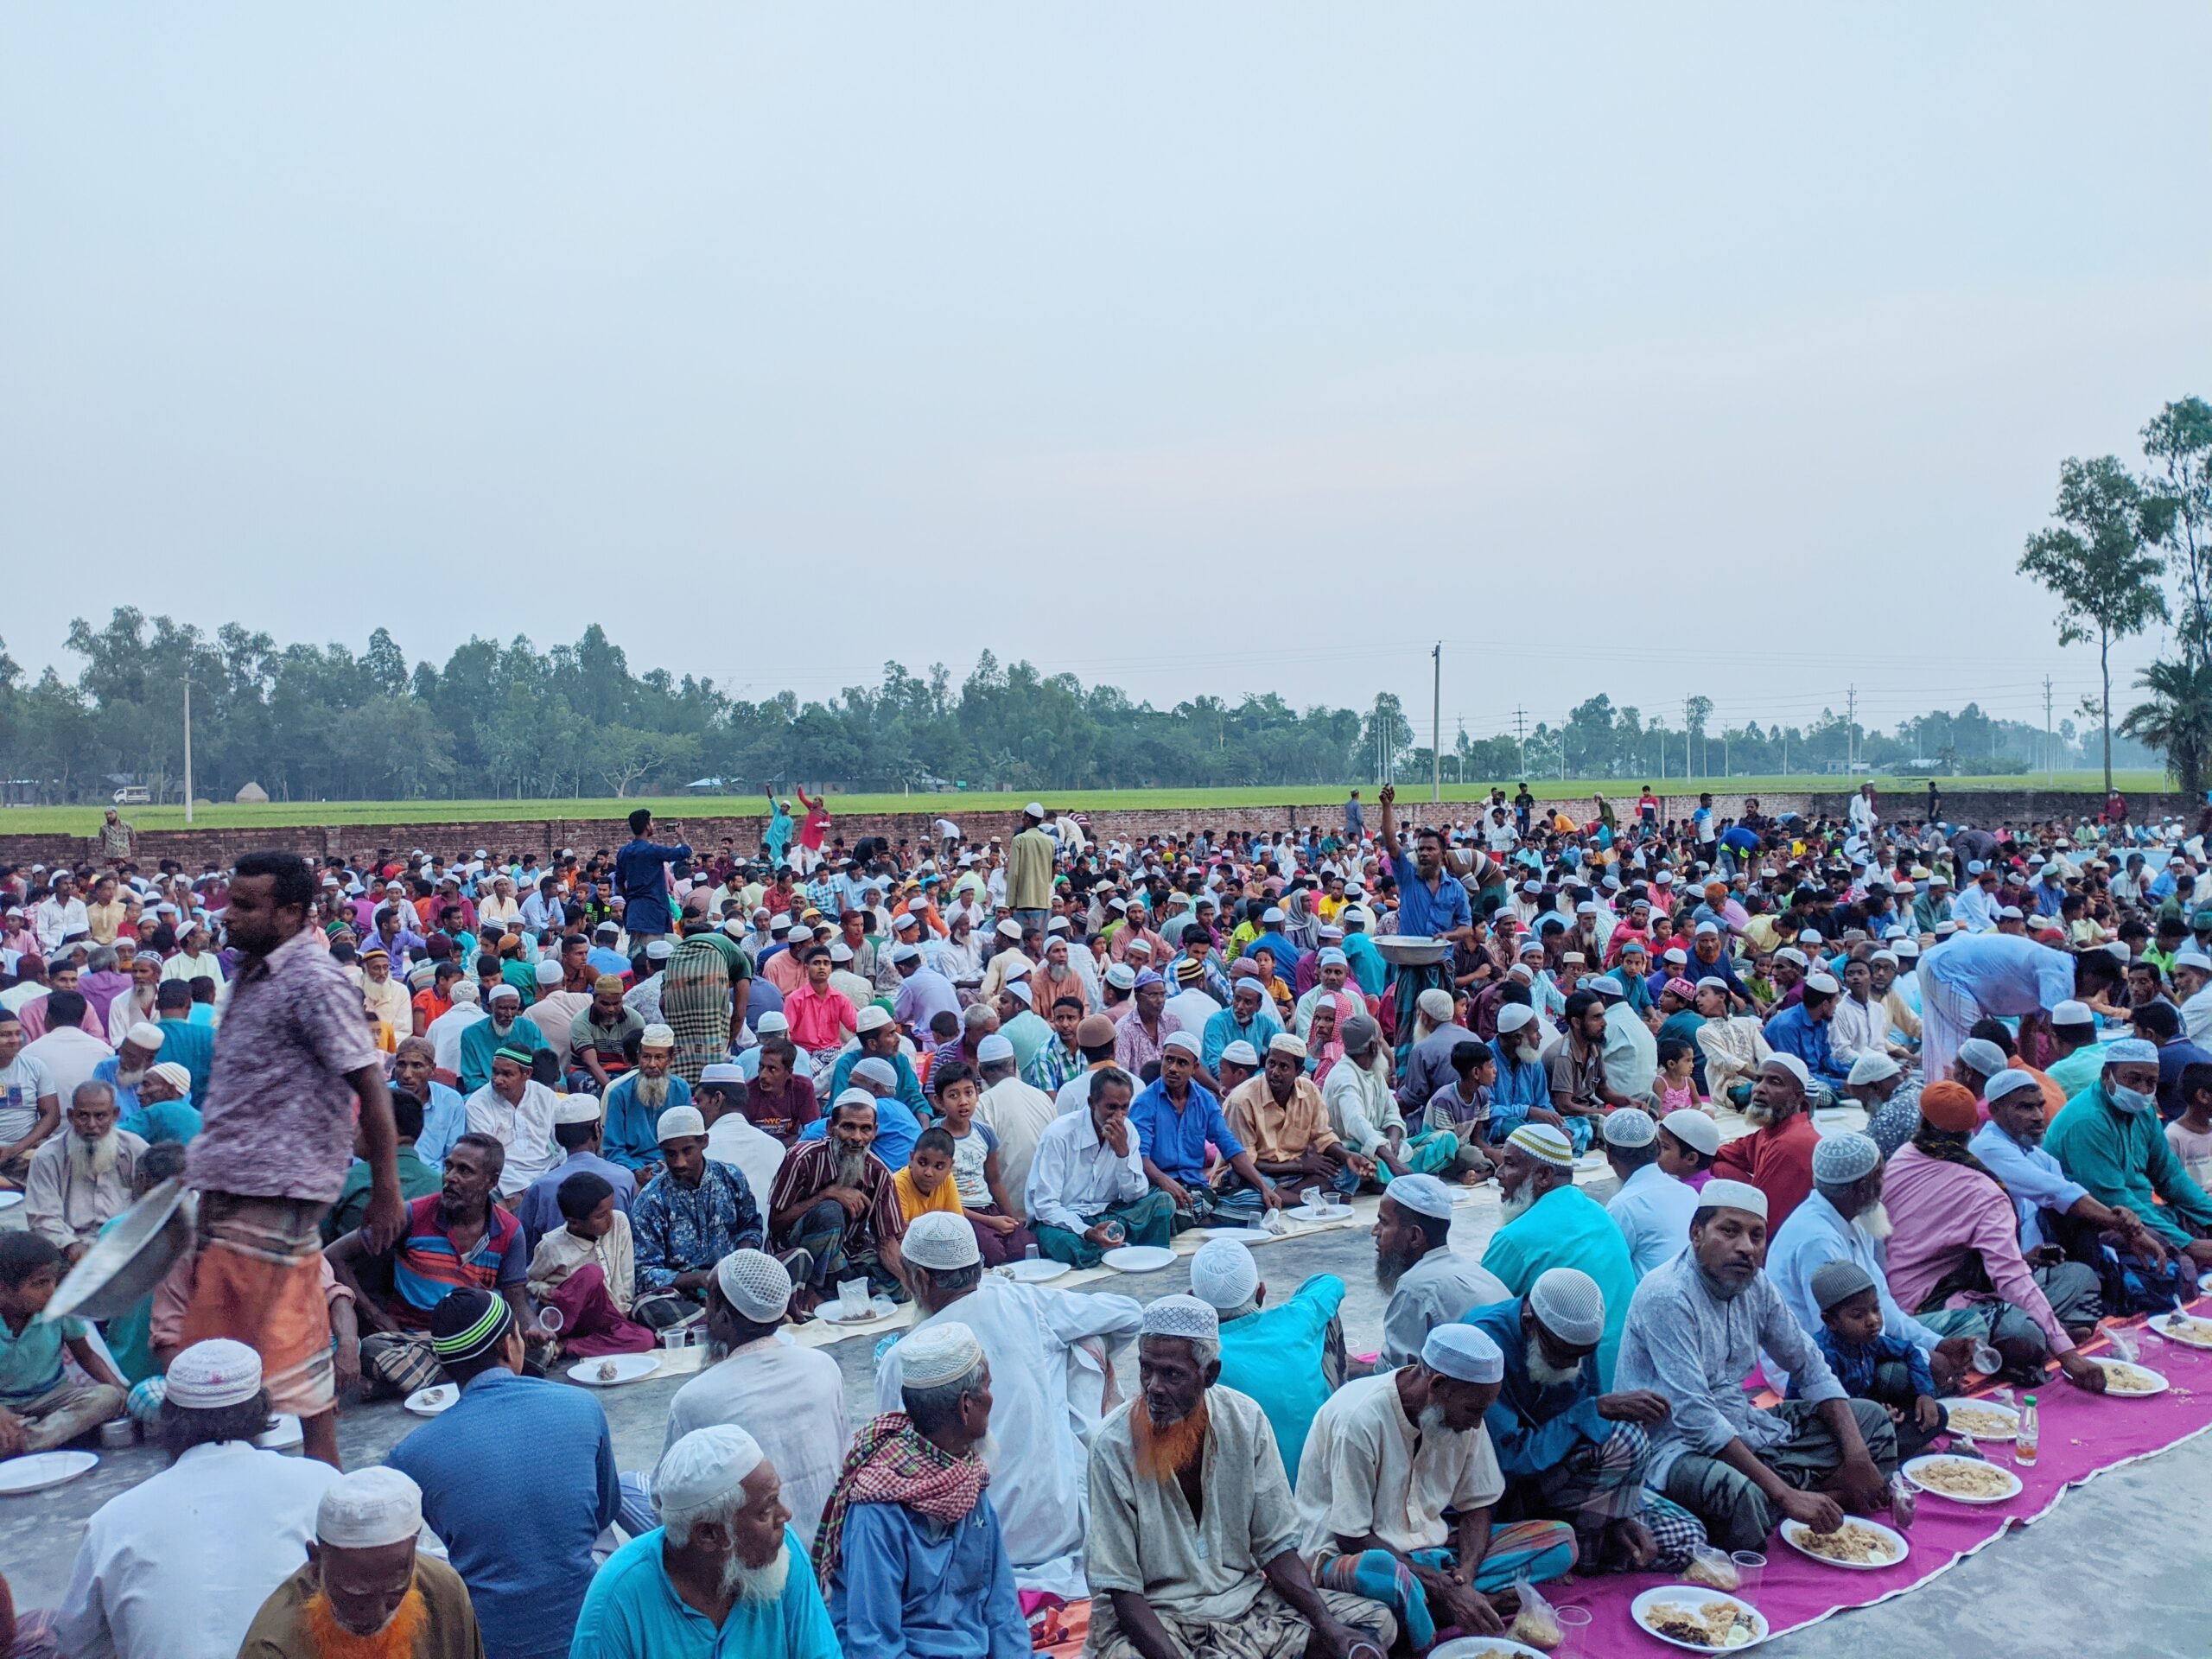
<point x="502" y="1027"/>
<point x="125" y="1069"/>
<point x="1428" y="1281"/>
<point x="636" y="1100"/>
<point x="165" y="1110"/>
<point x="910" y="1545"/>
<point x="80" y="1181"/>
<point x="1844" y="1218"/>
<point x="723" y="1572"/>
<point x="1386" y="1456"/>
<point x="1212" y="1571"/>
<point x="517" y="1110"/>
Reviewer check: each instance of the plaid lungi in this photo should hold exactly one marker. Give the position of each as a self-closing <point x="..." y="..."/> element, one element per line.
<point x="694" y="1002"/>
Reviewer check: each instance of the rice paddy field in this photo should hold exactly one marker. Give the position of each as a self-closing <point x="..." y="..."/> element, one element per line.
<point x="79" y="819"/>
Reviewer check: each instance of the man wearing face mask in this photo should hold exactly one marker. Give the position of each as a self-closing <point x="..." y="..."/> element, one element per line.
<point x="2109" y="1139"/>
<point x="1843" y="1218"/>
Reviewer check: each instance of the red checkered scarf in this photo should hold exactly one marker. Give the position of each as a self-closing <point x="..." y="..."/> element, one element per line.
<point x="892" y="1464"/>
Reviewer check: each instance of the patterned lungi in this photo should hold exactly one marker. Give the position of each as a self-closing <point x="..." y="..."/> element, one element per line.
<point x="258" y="1279"/>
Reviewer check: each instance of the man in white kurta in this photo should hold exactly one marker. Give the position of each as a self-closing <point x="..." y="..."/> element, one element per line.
<point x="1430" y="1283"/>
<point x="177" y="1567"/>
<point x="1050" y="1353"/>
<point x="1017" y="1112"/>
<point x="516" y="1111"/>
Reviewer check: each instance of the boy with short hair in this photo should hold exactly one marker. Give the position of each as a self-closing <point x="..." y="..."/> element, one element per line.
<point x="1000" y="1233"/>
<point x="2190" y="1134"/>
<point x="40" y="1407"/>
<point x="926" y="1184"/>
<point x="1869" y="1363"/>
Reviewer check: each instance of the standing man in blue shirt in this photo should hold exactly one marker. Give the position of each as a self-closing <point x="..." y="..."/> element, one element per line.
<point x="1431" y="904"/>
<point x="641" y="880"/>
<point x="1355" y="819"/>
<point x="519" y="1528"/>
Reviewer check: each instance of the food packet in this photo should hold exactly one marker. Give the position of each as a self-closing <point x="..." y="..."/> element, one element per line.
<point x="2123" y="1346"/>
<point x="1535" y="1624"/>
<point x="1711" y="1567"/>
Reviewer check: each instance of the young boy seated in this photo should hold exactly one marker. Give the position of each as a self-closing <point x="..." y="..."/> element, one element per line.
<point x="40" y="1407"/>
<point x="586" y="1271"/>
<point x="2190" y="1134"/>
<point x="1871" y="1365"/>
<point x="926" y="1184"/>
<point x="1000" y="1233"/>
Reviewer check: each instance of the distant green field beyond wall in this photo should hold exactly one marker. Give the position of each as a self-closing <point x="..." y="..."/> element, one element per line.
<point x="79" y="820"/>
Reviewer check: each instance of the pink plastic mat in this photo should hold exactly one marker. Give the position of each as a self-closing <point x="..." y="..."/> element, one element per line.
<point x="2083" y="1435"/>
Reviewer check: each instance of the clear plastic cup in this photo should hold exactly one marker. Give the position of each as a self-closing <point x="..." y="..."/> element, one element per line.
<point x="673" y="1337"/>
<point x="549" y="1319"/>
<point x="1115" y="1233"/>
<point x="1751" y="1569"/>
<point x="1986" y="1359"/>
<point x="1312" y="1198"/>
<point x="1574" y="1631"/>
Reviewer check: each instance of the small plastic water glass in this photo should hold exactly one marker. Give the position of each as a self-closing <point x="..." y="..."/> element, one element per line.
<point x="673" y="1337"/>
<point x="549" y="1319"/>
<point x="1751" y="1568"/>
<point x="1312" y="1198"/>
<point x="1029" y="1253"/>
<point x="1115" y="1232"/>
<point x="1573" y="1630"/>
<point x="1986" y="1359"/>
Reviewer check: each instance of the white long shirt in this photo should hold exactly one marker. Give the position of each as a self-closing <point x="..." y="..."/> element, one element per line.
<point x="1018" y="1113"/>
<point x="790" y="1399"/>
<point x="1653" y="1211"/>
<point x="1045" y="1404"/>
<point x="755" y="1154"/>
<point x="1076" y="1177"/>
<point x="177" y="1567"/>
<point x="445" y="1035"/>
<point x="56" y="921"/>
<point x="525" y="1129"/>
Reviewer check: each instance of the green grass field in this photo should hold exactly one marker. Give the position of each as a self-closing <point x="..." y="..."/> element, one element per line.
<point x="80" y="820"/>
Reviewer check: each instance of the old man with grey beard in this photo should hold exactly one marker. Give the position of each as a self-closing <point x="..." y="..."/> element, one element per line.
<point x="723" y="1572"/>
<point x="80" y="1180"/>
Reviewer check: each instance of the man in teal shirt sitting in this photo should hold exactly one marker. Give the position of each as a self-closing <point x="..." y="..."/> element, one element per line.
<point x="164" y="1111"/>
<point x="184" y="1039"/>
<point x="2109" y="1139"/>
<point x="1289" y="1357"/>
<point x="1551" y="1222"/>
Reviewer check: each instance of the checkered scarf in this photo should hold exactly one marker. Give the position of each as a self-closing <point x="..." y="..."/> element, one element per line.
<point x="889" y="1462"/>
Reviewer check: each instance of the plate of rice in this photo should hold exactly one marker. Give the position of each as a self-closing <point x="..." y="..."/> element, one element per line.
<point x="1962" y="1480"/>
<point x="1859" y="1545"/>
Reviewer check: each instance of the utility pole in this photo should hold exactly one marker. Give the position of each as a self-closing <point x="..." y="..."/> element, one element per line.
<point x="1436" y="724"/>
<point x="1851" y="730"/>
<point x="2049" y="761"/>
<point x="1520" y="736"/>
<point x="188" y="748"/>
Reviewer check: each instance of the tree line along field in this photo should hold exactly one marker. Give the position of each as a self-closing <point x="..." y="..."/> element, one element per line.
<point x="981" y="806"/>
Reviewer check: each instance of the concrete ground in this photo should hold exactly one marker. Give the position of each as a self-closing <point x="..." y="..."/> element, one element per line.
<point x="2119" y="1568"/>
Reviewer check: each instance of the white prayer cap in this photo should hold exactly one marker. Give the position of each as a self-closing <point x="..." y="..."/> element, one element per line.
<point x="1283" y="1043"/>
<point x="1462" y="1352"/>
<point x="367" y="1508"/>
<point x="177" y="1077"/>
<point x="994" y="1048"/>
<point x="1889" y="956"/>
<point x="1333" y="957"/>
<point x="464" y="990"/>
<point x="906" y="953"/>
<point x="1224" y="1275"/>
<point x="1019" y="991"/>
<point x="1821" y="984"/>
<point x="1630" y="1127"/>
<point x="877" y="1070"/>
<point x="907" y="918"/>
<point x="1606" y="985"/>
<point x="871" y="1018"/>
<point x="1181" y="1316"/>
<point x="576" y="1109"/>
<point x="2068" y="1012"/>
<point x="939" y="1354"/>
<point x="1436" y="1003"/>
<point x="215" y="1373"/>
<point x="1513" y="1016"/>
<point x="852" y="1096"/>
<point x="143" y="1034"/>
<point x="841" y="952"/>
<point x="1694" y="1129"/>
<point x="1010" y="929"/>
<point x="1847" y="1156"/>
<point x="721" y="1071"/>
<point x="1872" y="1067"/>
<point x="548" y="971"/>
<point x="703" y="1471"/>
<point x="773" y="1023"/>
<point x="2192" y="957"/>
<point x="1732" y="1195"/>
<point x="1545" y="1143"/>
<point x="940" y="1240"/>
<point x="505" y="993"/>
<point x="658" y="1036"/>
<point x="1984" y="1056"/>
<point x="755" y="1284"/>
<point x="1790" y="953"/>
<point x="677" y="1121"/>
<point x="1121" y="976"/>
<point x="2128" y="1051"/>
<point x="1034" y="810"/>
<point x="1422" y="1194"/>
<point x="1241" y="1053"/>
<point x="2003" y="1083"/>
<point x="1568" y="1303"/>
<point x="1795" y="1067"/>
<point x="659" y="950"/>
<point x="1185" y="1042"/>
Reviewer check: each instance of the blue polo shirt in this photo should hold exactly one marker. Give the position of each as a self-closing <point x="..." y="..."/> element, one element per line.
<point x="1176" y="1141"/>
<point x="1423" y="914"/>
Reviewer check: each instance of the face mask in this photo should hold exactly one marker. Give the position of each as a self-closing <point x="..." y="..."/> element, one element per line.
<point x="2133" y="1101"/>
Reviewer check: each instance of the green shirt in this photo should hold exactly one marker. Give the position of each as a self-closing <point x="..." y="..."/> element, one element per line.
<point x="2123" y="1158"/>
<point x="1276" y="1355"/>
<point x="417" y="1180"/>
<point x="1568" y="1228"/>
<point x="30" y="1359"/>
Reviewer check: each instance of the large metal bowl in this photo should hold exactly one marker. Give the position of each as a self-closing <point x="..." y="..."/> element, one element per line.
<point x="131" y="1257"/>
<point x="1411" y="951"/>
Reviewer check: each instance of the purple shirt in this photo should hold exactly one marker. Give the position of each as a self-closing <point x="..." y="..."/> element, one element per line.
<point x="279" y="1113"/>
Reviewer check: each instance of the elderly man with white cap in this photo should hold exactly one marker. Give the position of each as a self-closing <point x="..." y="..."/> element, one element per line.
<point x="910" y="1550"/>
<point x="1776" y="1156"/>
<point x="1427" y="1064"/>
<point x="502" y="1027"/>
<point x="1211" y="1571"/>
<point x="1843" y="1218"/>
<point x="1428" y="1282"/>
<point x="1289" y="1356"/>
<point x="516" y="1110"/>
<point x="789" y="1398"/>
<point x="1051" y="1354"/>
<point x="173" y="1567"/>
<point x="1552" y="1223"/>
<point x="2108" y="1140"/>
<point x="1879" y="1085"/>
<point x="364" y="1589"/>
<point x="1281" y="1119"/>
<point x="1696" y="1330"/>
<point x="1388" y="1456"/>
<point x="1568" y="1449"/>
<point x="1653" y="1208"/>
<point x="722" y="1573"/>
<point x="637" y="1097"/>
<point x="689" y="1217"/>
<point x="165" y="1112"/>
<point x="126" y="1069"/>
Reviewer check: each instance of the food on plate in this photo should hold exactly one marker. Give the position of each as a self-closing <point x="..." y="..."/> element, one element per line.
<point x="2123" y="1378"/>
<point x="1962" y="1478"/>
<point x="1713" y="1567"/>
<point x="1850" y="1543"/>
<point x="1983" y="1423"/>
<point x="2182" y="1328"/>
<point x="1711" y="1624"/>
<point x="1537" y="1626"/>
<point x="608" y="1370"/>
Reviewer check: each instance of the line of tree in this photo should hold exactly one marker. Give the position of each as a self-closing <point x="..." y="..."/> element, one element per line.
<point x="321" y="722"/>
<point x="2122" y="535"/>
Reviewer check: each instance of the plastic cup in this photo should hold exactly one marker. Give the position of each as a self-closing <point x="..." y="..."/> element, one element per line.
<point x="1751" y="1568"/>
<point x="852" y="1298"/>
<point x="1986" y="1359"/>
<point x="672" y="1337"/>
<point x="1573" y="1630"/>
<point x="1310" y="1197"/>
<point x="549" y="1319"/>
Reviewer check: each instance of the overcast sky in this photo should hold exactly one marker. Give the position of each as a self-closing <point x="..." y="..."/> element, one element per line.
<point x="1648" y="350"/>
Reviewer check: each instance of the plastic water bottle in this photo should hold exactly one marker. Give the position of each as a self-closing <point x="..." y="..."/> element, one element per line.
<point x="2028" y="1433"/>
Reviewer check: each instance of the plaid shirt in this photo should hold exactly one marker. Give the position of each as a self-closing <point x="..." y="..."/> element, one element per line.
<point x="1054" y="1064"/>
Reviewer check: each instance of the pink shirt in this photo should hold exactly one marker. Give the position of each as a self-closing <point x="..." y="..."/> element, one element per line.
<point x="819" y="1020"/>
<point x="1943" y="1213"/>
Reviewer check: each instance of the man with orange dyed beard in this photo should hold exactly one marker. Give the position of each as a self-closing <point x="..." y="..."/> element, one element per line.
<point x="1216" y="1575"/>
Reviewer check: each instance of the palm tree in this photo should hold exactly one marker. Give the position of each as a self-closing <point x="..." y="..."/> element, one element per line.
<point x="2178" y="720"/>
